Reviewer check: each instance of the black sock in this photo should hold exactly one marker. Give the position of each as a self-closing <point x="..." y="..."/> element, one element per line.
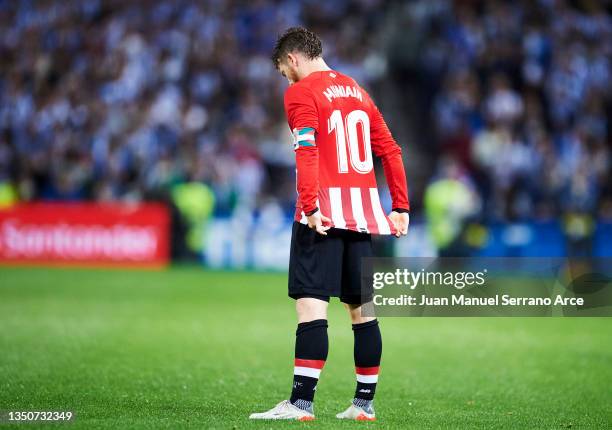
<point x="367" y="353"/>
<point x="311" y="346"/>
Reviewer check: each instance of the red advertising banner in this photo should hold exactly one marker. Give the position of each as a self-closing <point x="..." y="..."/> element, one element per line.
<point x="85" y="233"/>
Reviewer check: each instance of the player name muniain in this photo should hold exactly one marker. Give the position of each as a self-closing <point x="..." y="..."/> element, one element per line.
<point x="334" y="91"/>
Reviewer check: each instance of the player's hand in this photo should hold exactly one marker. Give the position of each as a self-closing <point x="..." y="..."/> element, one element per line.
<point x="400" y="222"/>
<point x="316" y="221"/>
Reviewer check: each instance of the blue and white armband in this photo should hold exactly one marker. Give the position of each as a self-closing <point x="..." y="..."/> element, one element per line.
<point x="304" y="136"/>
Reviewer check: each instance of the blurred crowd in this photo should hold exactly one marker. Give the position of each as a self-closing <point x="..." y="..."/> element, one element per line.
<point x="519" y="101"/>
<point x="121" y="100"/>
<point x="110" y="100"/>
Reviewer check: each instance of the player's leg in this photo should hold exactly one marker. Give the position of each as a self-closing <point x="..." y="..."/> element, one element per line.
<point x="356" y="314"/>
<point x="310" y="307"/>
<point x="367" y="353"/>
<point x="311" y="282"/>
<point x="311" y="346"/>
<point x="367" y="338"/>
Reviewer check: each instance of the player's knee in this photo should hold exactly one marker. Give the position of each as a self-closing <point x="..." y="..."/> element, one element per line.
<point x="355" y="311"/>
<point x="358" y="319"/>
<point x="310" y="309"/>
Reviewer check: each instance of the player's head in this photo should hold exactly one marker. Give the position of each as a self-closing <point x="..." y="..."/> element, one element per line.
<point x="293" y="52"/>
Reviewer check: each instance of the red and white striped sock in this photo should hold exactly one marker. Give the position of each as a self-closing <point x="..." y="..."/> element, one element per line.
<point x="309" y="368"/>
<point x="367" y="378"/>
<point x="311" y="347"/>
<point x="368" y="350"/>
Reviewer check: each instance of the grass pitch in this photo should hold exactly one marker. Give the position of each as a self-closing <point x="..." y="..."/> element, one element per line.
<point x="185" y="348"/>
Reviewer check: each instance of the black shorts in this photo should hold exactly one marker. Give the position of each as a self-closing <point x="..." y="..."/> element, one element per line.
<point x="328" y="266"/>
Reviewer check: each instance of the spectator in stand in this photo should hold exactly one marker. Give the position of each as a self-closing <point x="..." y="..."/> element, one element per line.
<point x="520" y="101"/>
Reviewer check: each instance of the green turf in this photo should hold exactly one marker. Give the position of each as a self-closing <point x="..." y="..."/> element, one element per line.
<point x="185" y="348"/>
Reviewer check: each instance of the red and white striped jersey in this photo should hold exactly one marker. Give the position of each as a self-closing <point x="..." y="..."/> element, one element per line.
<point x="336" y="128"/>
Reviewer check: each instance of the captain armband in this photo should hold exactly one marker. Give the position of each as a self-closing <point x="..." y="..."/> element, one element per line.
<point x="303" y="137"/>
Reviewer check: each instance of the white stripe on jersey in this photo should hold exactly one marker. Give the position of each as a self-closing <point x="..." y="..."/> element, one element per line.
<point x="379" y="215"/>
<point x="357" y="206"/>
<point x="335" y="199"/>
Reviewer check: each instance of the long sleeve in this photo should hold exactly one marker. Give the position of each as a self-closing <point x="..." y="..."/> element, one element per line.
<point x="304" y="122"/>
<point x="385" y="147"/>
<point x="307" y="178"/>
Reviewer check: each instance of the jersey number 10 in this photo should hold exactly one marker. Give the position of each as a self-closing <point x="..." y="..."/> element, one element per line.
<point x="346" y="132"/>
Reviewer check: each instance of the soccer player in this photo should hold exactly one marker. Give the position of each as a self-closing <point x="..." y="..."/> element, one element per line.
<point x="336" y="127"/>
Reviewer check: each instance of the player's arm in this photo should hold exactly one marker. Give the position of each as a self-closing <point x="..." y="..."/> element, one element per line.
<point x="304" y="122"/>
<point x="390" y="153"/>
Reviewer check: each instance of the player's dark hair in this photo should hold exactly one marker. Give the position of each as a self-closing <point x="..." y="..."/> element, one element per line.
<point x="297" y="39"/>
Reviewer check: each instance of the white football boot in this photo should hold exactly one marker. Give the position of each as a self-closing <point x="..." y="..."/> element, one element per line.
<point x="357" y="413"/>
<point x="284" y="411"/>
